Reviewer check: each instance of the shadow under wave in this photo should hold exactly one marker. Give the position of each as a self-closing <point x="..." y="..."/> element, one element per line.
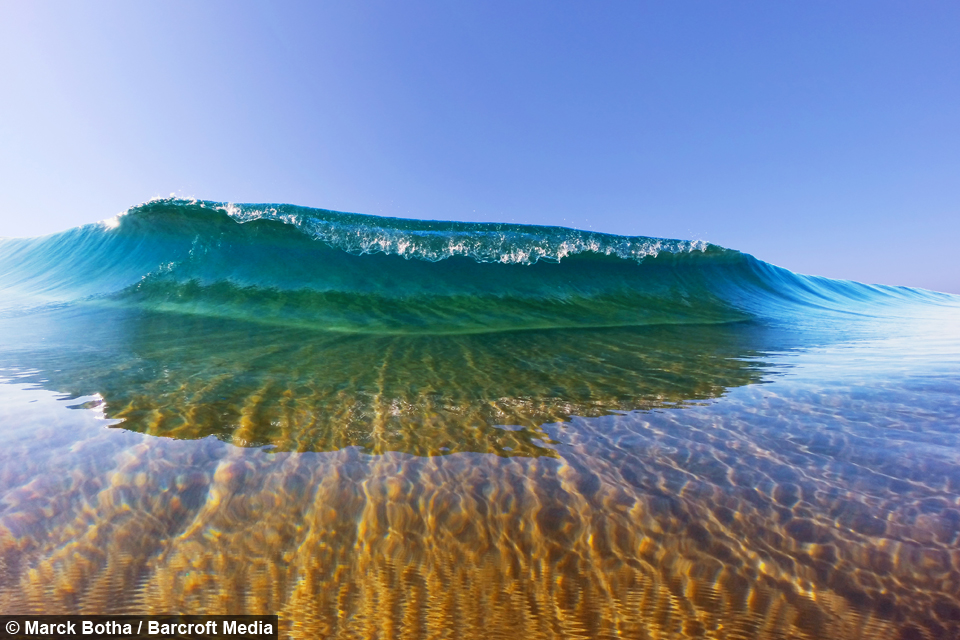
<point x="189" y="377"/>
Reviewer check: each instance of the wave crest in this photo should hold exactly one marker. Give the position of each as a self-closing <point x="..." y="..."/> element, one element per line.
<point x="438" y="240"/>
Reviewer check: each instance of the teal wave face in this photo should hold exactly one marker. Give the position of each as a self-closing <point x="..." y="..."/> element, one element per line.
<point x="288" y="265"/>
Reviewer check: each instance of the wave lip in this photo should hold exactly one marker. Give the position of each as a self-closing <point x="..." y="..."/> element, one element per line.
<point x="438" y="240"/>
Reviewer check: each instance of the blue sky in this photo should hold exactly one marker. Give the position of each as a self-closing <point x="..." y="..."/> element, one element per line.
<point x="820" y="136"/>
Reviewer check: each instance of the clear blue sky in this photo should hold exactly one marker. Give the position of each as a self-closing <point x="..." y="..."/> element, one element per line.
<point x="820" y="136"/>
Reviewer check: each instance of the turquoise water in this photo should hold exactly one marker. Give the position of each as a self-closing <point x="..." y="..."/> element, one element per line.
<point x="391" y="428"/>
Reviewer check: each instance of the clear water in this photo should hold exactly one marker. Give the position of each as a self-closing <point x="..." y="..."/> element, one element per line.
<point x="782" y="461"/>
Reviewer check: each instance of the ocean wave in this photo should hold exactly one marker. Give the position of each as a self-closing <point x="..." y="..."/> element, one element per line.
<point x="285" y="264"/>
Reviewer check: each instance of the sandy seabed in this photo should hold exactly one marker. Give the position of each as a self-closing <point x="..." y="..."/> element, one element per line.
<point x="814" y="505"/>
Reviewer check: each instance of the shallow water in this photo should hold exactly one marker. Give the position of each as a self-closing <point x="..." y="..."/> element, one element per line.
<point x="793" y="473"/>
<point x="741" y="492"/>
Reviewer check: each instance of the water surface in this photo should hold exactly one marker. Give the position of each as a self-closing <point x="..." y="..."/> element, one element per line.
<point x="382" y="428"/>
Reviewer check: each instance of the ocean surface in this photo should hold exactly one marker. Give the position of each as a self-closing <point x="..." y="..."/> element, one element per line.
<point x="384" y="428"/>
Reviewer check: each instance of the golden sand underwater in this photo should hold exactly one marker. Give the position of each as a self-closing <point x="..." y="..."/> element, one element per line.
<point x="674" y="490"/>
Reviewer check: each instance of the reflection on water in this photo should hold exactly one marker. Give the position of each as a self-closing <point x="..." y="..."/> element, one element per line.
<point x="251" y="385"/>
<point x="651" y="489"/>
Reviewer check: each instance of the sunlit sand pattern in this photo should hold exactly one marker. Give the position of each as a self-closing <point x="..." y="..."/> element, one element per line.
<point x="813" y="506"/>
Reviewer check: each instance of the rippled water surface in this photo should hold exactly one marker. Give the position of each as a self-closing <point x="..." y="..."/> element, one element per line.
<point x="654" y="482"/>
